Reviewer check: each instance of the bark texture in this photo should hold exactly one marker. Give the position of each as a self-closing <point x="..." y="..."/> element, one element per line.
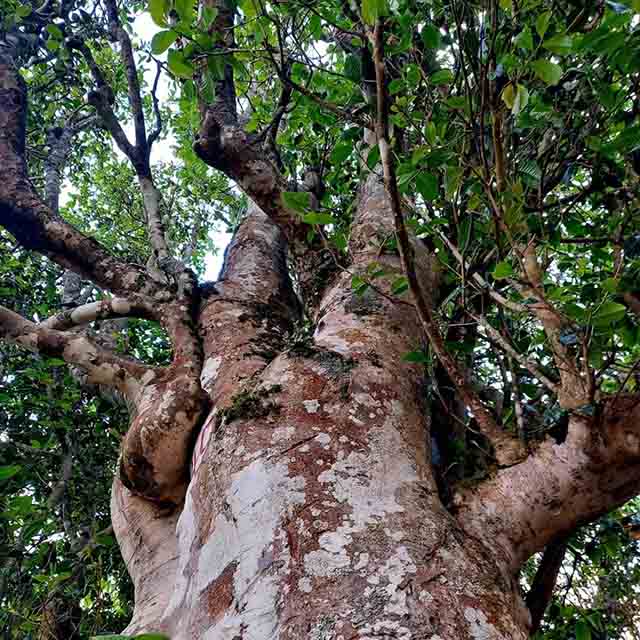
<point x="312" y="510"/>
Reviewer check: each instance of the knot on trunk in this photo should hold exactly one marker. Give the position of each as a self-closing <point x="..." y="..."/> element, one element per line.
<point x="154" y="462"/>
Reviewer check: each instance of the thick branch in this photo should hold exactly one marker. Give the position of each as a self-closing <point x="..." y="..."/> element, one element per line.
<point x="561" y="486"/>
<point x="34" y="225"/>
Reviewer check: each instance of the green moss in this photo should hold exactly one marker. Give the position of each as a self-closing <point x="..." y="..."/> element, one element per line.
<point x="250" y="404"/>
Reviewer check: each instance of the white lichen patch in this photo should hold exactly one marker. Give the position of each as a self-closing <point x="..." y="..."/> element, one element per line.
<point x="479" y="627"/>
<point x="245" y="534"/>
<point x="311" y="406"/>
<point x="210" y="372"/>
<point x="282" y="433"/>
<point x="304" y="585"/>
<point x="324" y="439"/>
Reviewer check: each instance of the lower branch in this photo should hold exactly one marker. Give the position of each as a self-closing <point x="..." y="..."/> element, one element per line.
<point x="102" y="366"/>
<point x="560" y="486"/>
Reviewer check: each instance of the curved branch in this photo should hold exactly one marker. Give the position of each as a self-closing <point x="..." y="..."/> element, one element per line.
<point x="35" y="226"/>
<point x="100" y="310"/>
<point x="560" y="486"/>
<point x="102" y="366"/>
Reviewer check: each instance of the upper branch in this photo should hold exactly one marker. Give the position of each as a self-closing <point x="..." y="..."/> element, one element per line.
<point x="135" y="99"/>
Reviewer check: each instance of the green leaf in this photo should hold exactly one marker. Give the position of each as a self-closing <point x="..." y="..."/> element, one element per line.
<point x="185" y="10"/>
<point x="399" y="285"/>
<point x="178" y="65"/>
<point x="560" y="44"/>
<point x="158" y="10"/>
<point x="162" y="40"/>
<point x="9" y="471"/>
<point x="111" y="637"/>
<point x="373" y="157"/>
<point x="299" y="201"/>
<point x="549" y="72"/>
<point x="502" y="270"/>
<point x="542" y="23"/>
<point x="24" y="10"/>
<point x="608" y="314"/>
<point x="318" y="218"/>
<point x="152" y="636"/>
<point x="359" y="285"/>
<point x="416" y="356"/>
<point x="341" y="152"/>
<point x="427" y="185"/>
<point x="353" y="68"/>
<point x="396" y="86"/>
<point x="444" y="76"/>
<point x="582" y="630"/>
<point x="55" y="31"/>
<point x="430" y="36"/>
<point x="374" y="9"/>
<point x="524" y="40"/>
<point x="515" y="97"/>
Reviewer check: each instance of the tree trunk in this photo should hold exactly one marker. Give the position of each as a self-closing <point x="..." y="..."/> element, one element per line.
<point x="312" y="511"/>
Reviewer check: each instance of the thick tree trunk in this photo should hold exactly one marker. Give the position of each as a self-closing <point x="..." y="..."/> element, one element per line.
<point x="312" y="510"/>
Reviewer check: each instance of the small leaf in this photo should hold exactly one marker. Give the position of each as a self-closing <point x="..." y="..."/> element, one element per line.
<point x="359" y="285"/>
<point x="427" y="185"/>
<point x="542" y="23"/>
<point x="416" y="356"/>
<point x="524" y="40"/>
<point x="9" y="471"/>
<point x="24" y="10"/>
<point x="178" y="65"/>
<point x="374" y="9"/>
<point x="502" y="270"/>
<point x="521" y="99"/>
<point x="399" y="285"/>
<point x="373" y="157"/>
<point x="55" y="31"/>
<point x="341" y="152"/>
<point x="583" y="630"/>
<point x="299" y="201"/>
<point x="608" y="314"/>
<point x="162" y="40"/>
<point x="318" y="218"/>
<point x="430" y="36"/>
<point x="158" y="10"/>
<point x="560" y="44"/>
<point x="549" y="72"/>
<point x="444" y="76"/>
<point x="185" y="10"/>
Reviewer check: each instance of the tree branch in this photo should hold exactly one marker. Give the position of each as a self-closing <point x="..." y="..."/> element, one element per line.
<point x="101" y="365"/>
<point x="34" y="225"/>
<point x="544" y="581"/>
<point x="560" y="486"/>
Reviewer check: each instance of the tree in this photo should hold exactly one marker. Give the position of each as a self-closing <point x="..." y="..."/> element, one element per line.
<point x="419" y="365"/>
